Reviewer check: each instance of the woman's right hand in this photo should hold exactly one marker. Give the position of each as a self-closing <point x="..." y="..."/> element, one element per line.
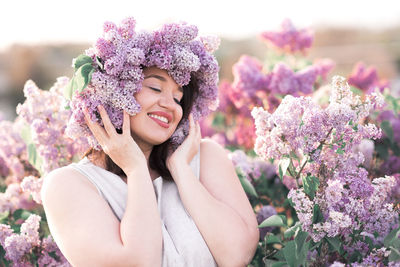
<point x="121" y="148"/>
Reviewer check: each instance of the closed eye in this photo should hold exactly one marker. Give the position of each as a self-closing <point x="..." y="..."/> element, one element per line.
<point x="155" y="89"/>
<point x="158" y="90"/>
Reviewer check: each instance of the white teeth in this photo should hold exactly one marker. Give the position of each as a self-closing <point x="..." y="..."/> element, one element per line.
<point x="163" y="119"/>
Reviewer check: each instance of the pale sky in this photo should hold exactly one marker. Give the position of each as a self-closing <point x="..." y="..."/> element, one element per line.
<point x="41" y="21"/>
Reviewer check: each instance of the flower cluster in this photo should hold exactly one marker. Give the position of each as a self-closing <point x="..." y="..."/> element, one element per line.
<point x="366" y="79"/>
<point x="15" y="198"/>
<point x="18" y="247"/>
<point x="44" y="118"/>
<point x="289" y="38"/>
<point x="13" y="155"/>
<point x="317" y="146"/>
<point x="251" y="168"/>
<point x="309" y="125"/>
<point x="120" y="56"/>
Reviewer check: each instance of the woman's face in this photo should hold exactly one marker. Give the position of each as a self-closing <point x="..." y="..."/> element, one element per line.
<point x="161" y="111"/>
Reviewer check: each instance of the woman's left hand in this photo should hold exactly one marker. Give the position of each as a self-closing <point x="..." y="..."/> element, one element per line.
<point x="188" y="149"/>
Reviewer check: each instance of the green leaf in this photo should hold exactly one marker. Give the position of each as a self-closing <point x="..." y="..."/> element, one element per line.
<point x="69" y="89"/>
<point x="310" y="185"/>
<point x="21" y="214"/>
<point x="283" y="165"/>
<point x="82" y="60"/>
<point x="274" y="220"/>
<point x="26" y="133"/>
<point x="317" y="214"/>
<point x="394" y="254"/>
<point x="273" y="239"/>
<point x="32" y="154"/>
<point x="292" y="230"/>
<point x="387" y="128"/>
<point x="83" y="76"/>
<point x="289" y="251"/>
<point x="4" y="216"/>
<point x="391" y="237"/>
<point x="279" y="255"/>
<point x="247" y="186"/>
<point x="382" y="151"/>
<point x="334" y="242"/>
<point x="301" y="247"/>
<point x="34" y="158"/>
<point x="339" y="151"/>
<point x="278" y="264"/>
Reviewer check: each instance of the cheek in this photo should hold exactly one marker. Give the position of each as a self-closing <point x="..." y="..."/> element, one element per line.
<point x="179" y="113"/>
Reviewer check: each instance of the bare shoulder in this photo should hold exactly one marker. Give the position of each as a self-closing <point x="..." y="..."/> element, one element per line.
<point x="76" y="213"/>
<point x="211" y="151"/>
<point x="65" y="180"/>
<point x="215" y="166"/>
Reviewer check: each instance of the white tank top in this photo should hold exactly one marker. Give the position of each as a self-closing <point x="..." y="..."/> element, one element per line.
<point x="183" y="245"/>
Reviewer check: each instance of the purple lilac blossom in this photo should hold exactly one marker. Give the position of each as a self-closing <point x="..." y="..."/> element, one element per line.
<point x="43" y="111"/>
<point x="125" y="52"/>
<point x="251" y="168"/>
<point x="366" y="79"/>
<point x="289" y="38"/>
<point x="347" y="198"/>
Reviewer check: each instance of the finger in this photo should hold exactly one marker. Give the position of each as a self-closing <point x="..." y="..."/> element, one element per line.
<point x="191" y="124"/>
<point x="126" y="124"/>
<point x="106" y="121"/>
<point x="198" y="129"/>
<point x="97" y="131"/>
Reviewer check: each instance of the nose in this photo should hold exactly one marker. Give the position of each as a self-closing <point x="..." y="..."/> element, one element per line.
<point x="167" y="101"/>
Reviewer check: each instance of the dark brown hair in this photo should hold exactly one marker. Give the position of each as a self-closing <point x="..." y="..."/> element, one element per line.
<point x="158" y="156"/>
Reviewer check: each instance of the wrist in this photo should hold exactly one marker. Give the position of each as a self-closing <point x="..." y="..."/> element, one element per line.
<point x="178" y="169"/>
<point x="134" y="169"/>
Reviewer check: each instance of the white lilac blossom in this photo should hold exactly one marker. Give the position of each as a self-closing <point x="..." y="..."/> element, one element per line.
<point x="119" y="57"/>
<point x="33" y="185"/>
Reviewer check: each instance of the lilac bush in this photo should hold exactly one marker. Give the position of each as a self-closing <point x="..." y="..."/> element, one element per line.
<point x="335" y="200"/>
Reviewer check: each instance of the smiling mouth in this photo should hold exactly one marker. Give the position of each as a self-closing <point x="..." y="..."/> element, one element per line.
<point x="161" y="118"/>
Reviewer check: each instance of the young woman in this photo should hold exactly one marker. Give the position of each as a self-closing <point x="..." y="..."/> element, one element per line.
<point x="141" y="200"/>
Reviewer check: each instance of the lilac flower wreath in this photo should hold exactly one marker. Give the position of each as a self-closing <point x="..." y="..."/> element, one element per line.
<point x="111" y="72"/>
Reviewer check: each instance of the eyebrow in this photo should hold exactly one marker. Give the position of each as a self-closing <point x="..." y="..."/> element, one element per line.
<point x="161" y="78"/>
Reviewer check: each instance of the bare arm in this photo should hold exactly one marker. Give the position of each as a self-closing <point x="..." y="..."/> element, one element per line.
<point x="83" y="224"/>
<point x="218" y="204"/>
<point x="87" y="231"/>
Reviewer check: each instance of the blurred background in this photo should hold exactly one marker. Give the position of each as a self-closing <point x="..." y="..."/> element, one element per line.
<point x="39" y="38"/>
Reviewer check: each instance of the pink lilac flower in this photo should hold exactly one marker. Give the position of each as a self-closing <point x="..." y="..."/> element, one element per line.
<point x="285" y="81"/>
<point x="366" y="79"/>
<point x="16" y="246"/>
<point x="323" y="67"/>
<point x="13" y="150"/>
<point x="14" y="198"/>
<point x="248" y="80"/>
<point x="325" y="139"/>
<point x="394" y="121"/>
<point x="289" y="38"/>
<point x="251" y="168"/>
<point x="33" y="185"/>
<point x="125" y="52"/>
<point x="45" y="117"/>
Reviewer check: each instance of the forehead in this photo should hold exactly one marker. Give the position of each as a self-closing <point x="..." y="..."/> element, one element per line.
<point x="161" y="75"/>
